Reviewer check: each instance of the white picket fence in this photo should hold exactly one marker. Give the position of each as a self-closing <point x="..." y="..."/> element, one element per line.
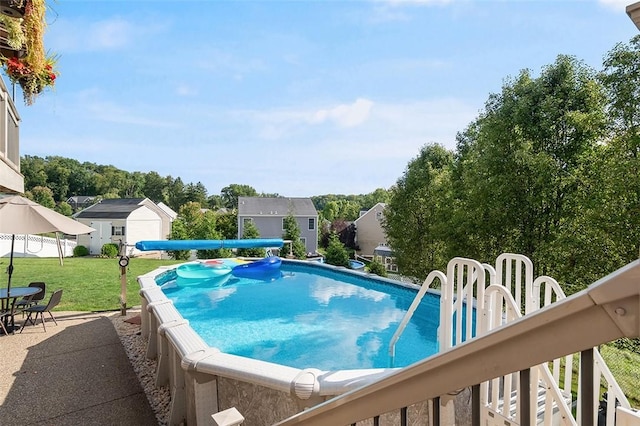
<point x="35" y="246"/>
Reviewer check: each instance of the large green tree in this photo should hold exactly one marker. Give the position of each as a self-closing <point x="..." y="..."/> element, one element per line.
<point x="516" y="174"/>
<point x="155" y="187"/>
<point x="416" y="216"/>
<point x="206" y="229"/>
<point x="196" y="193"/>
<point x="231" y="193"/>
<point x="604" y="230"/>
<point x="42" y="195"/>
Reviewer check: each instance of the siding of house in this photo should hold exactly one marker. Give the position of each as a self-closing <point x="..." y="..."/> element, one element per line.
<point x="369" y="231"/>
<point x="141" y="218"/>
<point x="165" y="216"/>
<point x="267" y="215"/>
<point x="141" y="224"/>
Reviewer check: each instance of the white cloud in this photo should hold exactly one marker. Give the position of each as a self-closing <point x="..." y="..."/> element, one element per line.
<point x="281" y="123"/>
<point x="110" y="34"/>
<point x="345" y="115"/>
<point x="89" y="105"/>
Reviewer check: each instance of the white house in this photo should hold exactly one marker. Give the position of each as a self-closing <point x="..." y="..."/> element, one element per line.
<point x="126" y="220"/>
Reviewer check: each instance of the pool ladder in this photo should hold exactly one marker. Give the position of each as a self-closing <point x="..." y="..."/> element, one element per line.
<point x="414" y="305"/>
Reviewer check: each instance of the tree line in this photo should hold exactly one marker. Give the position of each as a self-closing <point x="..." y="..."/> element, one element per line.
<point x="52" y="180"/>
<point x="549" y="169"/>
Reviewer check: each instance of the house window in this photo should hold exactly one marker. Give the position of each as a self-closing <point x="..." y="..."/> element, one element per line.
<point x="283" y="223"/>
<point x="312" y="224"/>
<point x="303" y="240"/>
<point x="117" y="230"/>
<point x="379" y="215"/>
<point x="246" y="220"/>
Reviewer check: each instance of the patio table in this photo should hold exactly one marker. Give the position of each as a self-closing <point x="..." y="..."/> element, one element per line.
<point x="8" y="301"/>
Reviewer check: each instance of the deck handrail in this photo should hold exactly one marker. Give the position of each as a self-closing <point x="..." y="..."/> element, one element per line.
<point x="433" y="275"/>
<point x="539" y="300"/>
<point x="611" y="306"/>
<point x="513" y="313"/>
<point x="465" y="283"/>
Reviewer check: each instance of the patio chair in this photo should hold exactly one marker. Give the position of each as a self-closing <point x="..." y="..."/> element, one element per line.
<point x="3" y="318"/>
<point x="34" y="299"/>
<point x="41" y="309"/>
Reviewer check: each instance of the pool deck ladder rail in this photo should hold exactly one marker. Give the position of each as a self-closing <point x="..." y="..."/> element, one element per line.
<point x="512" y="276"/>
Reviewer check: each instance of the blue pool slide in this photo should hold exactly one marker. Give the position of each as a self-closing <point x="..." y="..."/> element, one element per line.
<point x="208" y="244"/>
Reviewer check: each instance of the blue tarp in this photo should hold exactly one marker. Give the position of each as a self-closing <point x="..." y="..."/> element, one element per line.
<point x="207" y="244"/>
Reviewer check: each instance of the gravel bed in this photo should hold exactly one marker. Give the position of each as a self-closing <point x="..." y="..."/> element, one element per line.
<point x="135" y="347"/>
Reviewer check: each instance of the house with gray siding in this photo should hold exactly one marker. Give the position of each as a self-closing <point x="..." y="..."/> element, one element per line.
<point x="268" y="214"/>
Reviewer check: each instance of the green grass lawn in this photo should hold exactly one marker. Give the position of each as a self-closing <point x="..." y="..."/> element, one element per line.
<point x="625" y="366"/>
<point x="89" y="284"/>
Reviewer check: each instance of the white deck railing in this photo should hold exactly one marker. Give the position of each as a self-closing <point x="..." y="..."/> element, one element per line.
<point x="611" y="308"/>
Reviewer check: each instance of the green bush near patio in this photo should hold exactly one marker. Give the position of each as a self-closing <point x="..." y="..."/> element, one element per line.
<point x="80" y="251"/>
<point x="109" y="250"/>
<point x="89" y="283"/>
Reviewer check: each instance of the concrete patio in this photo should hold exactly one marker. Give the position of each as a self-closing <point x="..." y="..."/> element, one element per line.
<point x="74" y="373"/>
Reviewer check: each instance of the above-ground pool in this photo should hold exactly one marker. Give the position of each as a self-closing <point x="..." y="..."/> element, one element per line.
<point x="309" y="316"/>
<point x="275" y="344"/>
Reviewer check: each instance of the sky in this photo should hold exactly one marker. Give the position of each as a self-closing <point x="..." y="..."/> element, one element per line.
<point x="297" y="97"/>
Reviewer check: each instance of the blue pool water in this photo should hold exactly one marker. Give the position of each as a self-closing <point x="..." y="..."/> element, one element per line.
<point x="309" y="317"/>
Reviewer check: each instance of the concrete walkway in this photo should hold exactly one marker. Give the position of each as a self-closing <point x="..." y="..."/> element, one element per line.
<point x="75" y="373"/>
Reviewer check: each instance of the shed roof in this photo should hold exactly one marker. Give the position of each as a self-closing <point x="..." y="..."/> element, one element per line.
<point x="281" y="206"/>
<point x="116" y="208"/>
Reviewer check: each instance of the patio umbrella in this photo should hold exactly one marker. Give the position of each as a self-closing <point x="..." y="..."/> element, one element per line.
<point x="19" y="215"/>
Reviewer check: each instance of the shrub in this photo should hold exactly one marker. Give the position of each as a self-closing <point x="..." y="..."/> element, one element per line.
<point x="377" y="268"/>
<point x="80" y="251"/>
<point x="109" y="250"/>
<point x="336" y="254"/>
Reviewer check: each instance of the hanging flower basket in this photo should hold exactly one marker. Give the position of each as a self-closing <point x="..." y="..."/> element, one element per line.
<point x="23" y="55"/>
<point x="31" y="82"/>
<point x="13" y="8"/>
